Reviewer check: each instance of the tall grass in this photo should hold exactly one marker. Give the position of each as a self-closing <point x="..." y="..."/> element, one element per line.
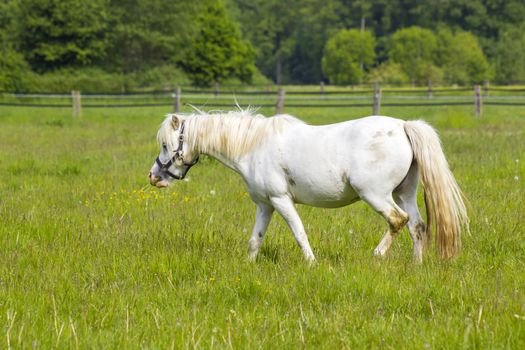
<point x="93" y="257"/>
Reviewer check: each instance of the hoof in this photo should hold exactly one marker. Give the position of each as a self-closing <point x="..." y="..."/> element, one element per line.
<point x="379" y="253"/>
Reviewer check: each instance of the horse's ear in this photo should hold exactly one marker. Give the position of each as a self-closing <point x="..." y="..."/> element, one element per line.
<point x="175" y="122"/>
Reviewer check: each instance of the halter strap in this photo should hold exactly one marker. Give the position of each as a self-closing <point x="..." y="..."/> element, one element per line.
<point x="178" y="155"/>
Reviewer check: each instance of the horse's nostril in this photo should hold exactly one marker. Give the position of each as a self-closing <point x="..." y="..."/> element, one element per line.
<point x="152" y="179"/>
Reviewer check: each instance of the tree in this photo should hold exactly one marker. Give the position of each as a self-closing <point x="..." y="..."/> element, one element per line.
<point x="483" y="18"/>
<point x="8" y="19"/>
<point x="510" y="57"/>
<point x="59" y="33"/>
<point x="13" y="67"/>
<point x="218" y="52"/>
<point x="289" y="36"/>
<point x="317" y="22"/>
<point x="461" y="57"/>
<point x="271" y="26"/>
<point x="415" y="49"/>
<point x="150" y="33"/>
<point x="348" y="55"/>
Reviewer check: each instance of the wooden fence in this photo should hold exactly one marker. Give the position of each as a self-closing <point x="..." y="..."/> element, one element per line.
<point x="279" y="99"/>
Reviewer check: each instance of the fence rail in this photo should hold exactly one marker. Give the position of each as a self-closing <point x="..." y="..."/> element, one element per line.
<point x="279" y="99"/>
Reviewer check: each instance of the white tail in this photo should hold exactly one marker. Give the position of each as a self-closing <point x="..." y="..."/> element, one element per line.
<point x="447" y="209"/>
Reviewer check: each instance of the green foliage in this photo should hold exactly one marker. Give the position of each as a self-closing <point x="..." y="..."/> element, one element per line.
<point x="510" y="55"/>
<point x="462" y="58"/>
<point x="148" y="33"/>
<point x="290" y="36"/>
<point x="348" y="55"/>
<point x="287" y="37"/>
<point x="160" y="77"/>
<point x="8" y="23"/>
<point x="62" y="33"/>
<point x="415" y="49"/>
<point x="270" y="25"/>
<point x="486" y="19"/>
<point x="84" y="79"/>
<point x="13" y="70"/>
<point x="318" y="22"/>
<point x="98" y="80"/>
<point x="218" y="51"/>
<point x="455" y="58"/>
<point x="257" y="79"/>
<point x="388" y="73"/>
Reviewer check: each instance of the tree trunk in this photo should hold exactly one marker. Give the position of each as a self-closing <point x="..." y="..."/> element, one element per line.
<point x="279" y="69"/>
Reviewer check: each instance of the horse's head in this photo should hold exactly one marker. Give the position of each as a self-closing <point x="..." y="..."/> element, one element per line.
<point x="172" y="162"/>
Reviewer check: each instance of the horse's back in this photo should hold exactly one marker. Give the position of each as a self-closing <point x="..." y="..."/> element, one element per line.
<point x="331" y="165"/>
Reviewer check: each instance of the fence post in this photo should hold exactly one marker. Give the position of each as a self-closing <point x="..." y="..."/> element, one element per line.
<point x="321" y="87"/>
<point x="486" y="87"/>
<point x="176" y="100"/>
<point x="77" y="106"/>
<point x="280" y="101"/>
<point x="377" y="99"/>
<point x="430" y="89"/>
<point x="216" y="89"/>
<point x="477" y="100"/>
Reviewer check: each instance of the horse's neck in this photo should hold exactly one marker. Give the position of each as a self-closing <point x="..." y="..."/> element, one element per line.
<point x="214" y="138"/>
<point x="233" y="164"/>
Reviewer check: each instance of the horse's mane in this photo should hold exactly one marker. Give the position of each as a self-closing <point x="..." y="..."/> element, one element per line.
<point x="233" y="133"/>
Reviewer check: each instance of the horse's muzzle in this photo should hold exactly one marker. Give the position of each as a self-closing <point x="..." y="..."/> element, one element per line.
<point x="157" y="181"/>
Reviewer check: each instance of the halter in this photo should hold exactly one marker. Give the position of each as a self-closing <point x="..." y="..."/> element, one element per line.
<point x="178" y="156"/>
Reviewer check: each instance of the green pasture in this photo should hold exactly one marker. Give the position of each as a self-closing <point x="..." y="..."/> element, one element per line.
<point x="91" y="256"/>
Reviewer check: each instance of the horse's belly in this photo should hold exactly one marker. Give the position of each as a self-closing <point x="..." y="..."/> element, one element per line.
<point x="322" y="196"/>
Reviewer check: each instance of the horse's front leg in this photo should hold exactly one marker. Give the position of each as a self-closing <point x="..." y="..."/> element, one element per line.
<point x="262" y="219"/>
<point x="286" y="208"/>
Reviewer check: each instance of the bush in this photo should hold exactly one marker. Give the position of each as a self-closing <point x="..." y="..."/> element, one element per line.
<point x="462" y="58"/>
<point x="348" y="55"/>
<point x="15" y="75"/>
<point x="159" y="78"/>
<point x="13" y="70"/>
<point x="388" y="73"/>
<point x="92" y="80"/>
<point x="415" y="49"/>
<point x="257" y="79"/>
<point x="86" y="80"/>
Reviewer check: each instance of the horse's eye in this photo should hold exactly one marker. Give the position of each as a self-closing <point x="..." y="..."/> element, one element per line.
<point x="164" y="147"/>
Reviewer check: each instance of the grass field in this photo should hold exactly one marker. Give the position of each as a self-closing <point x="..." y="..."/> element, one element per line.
<point x="93" y="257"/>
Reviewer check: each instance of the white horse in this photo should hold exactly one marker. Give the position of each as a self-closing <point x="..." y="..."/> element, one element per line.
<point x="284" y="161"/>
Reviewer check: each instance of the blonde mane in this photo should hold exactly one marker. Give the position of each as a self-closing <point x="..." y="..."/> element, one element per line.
<point x="232" y="134"/>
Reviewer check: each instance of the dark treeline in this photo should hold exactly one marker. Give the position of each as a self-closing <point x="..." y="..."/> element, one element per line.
<point x="125" y="44"/>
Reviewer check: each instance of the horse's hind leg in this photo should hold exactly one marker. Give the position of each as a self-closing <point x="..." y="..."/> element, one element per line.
<point x="406" y="197"/>
<point x="416" y="227"/>
<point x="394" y="215"/>
<point x="262" y="219"/>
